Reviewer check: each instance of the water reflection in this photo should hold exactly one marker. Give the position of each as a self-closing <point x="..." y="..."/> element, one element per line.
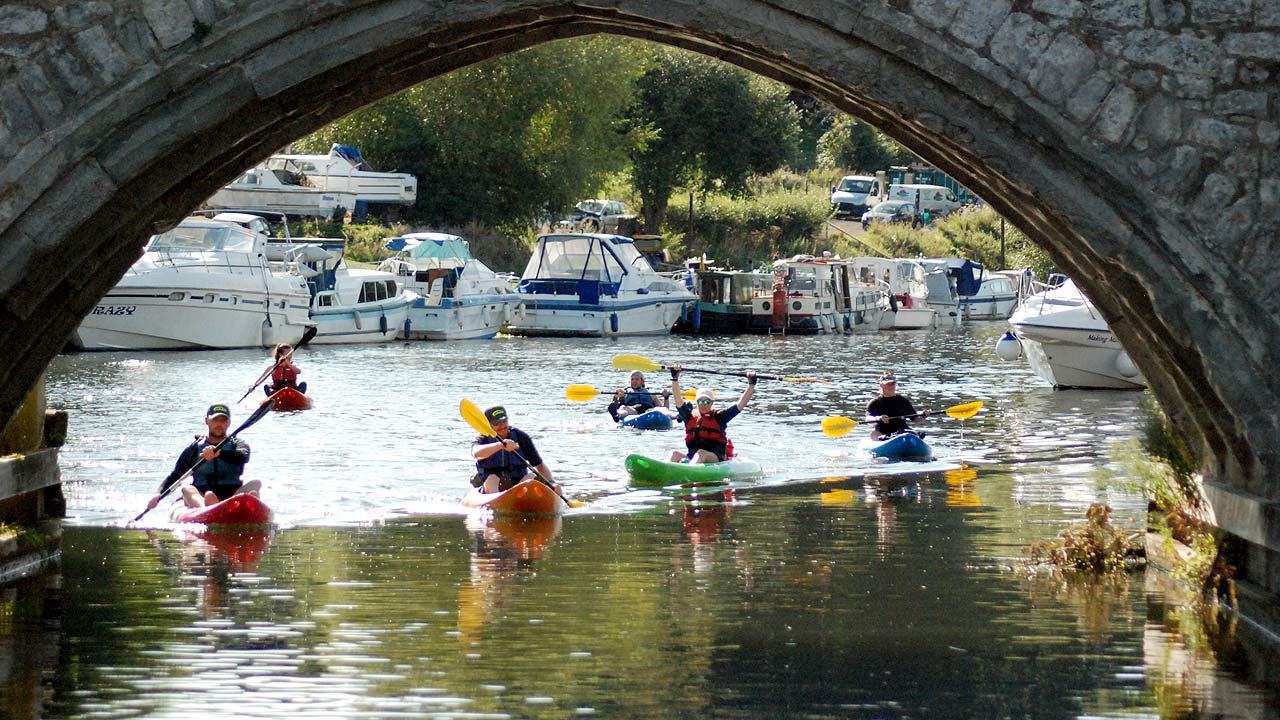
<point x="504" y="547"/>
<point x="206" y="560"/>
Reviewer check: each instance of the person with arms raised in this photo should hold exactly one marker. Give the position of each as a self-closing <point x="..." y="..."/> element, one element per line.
<point x="705" y="439"/>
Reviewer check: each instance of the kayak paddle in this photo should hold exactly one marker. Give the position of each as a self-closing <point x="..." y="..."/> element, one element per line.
<point x="584" y="393"/>
<point x="309" y="333"/>
<point x="644" y="364"/>
<point x="476" y="419"/>
<point x="838" y="425"/>
<point x="257" y="415"/>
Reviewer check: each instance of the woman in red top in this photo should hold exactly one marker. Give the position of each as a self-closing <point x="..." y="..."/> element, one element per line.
<point x="285" y="373"/>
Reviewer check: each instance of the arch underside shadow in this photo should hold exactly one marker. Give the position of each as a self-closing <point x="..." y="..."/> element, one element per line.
<point x="172" y="138"/>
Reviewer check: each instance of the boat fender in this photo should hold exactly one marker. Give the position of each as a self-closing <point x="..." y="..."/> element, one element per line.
<point x="893" y="303"/>
<point x="1124" y="364"/>
<point x="1009" y="348"/>
<point x="359" y="323"/>
<point x="382" y="324"/>
<point x="408" y="325"/>
<point x="697" y="317"/>
<point x="613" y="322"/>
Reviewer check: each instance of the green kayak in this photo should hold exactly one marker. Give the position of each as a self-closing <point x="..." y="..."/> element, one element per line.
<point x="657" y="473"/>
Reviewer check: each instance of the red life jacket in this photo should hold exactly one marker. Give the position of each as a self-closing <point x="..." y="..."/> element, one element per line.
<point x="282" y="376"/>
<point x="703" y="432"/>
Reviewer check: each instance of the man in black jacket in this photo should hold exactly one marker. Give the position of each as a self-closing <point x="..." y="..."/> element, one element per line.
<point x="218" y="477"/>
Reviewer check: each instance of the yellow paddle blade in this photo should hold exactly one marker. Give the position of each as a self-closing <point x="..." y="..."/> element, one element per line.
<point x="580" y="393"/>
<point x="635" y="362"/>
<point x="965" y="411"/>
<point x="475" y="417"/>
<point x="837" y="426"/>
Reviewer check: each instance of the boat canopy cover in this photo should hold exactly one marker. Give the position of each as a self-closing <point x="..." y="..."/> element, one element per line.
<point x="968" y="274"/>
<point x="431" y="246"/>
<point x="348" y="153"/>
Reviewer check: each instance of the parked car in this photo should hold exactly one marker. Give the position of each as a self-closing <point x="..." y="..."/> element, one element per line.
<point x="892" y="211"/>
<point x="603" y="216"/>
<point x="850" y="197"/>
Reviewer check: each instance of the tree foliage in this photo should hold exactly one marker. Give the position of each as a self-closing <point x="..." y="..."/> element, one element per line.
<point x="857" y="146"/>
<point x="699" y="123"/>
<point x="505" y="142"/>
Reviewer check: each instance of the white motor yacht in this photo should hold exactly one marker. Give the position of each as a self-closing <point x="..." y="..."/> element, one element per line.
<point x="904" y="280"/>
<point x="817" y="296"/>
<point x="204" y="284"/>
<point x="459" y="297"/>
<point x="1066" y="342"/>
<point x="344" y="170"/>
<point x="348" y="305"/>
<point x="280" y="190"/>
<point x="594" y="285"/>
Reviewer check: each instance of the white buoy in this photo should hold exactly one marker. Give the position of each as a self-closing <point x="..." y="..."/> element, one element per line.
<point x="1008" y="347"/>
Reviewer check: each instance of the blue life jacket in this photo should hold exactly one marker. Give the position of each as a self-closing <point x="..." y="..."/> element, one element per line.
<point x="642" y="398"/>
<point x="503" y="463"/>
<point x="217" y="472"/>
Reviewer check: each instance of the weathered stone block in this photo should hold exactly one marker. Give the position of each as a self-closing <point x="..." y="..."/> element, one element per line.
<point x="975" y="22"/>
<point x="172" y="21"/>
<point x="109" y="60"/>
<point x="1064" y="66"/>
<point x="936" y="14"/>
<point x="1019" y="43"/>
<point x="1261" y="46"/>
<point x="1119" y="13"/>
<point x="1070" y="9"/>
<point x="1116" y="114"/>
<point x="19" y="20"/>
<point x="1241" y="102"/>
<point x="1180" y="53"/>
<point x="1087" y="99"/>
<point x="1215" y="12"/>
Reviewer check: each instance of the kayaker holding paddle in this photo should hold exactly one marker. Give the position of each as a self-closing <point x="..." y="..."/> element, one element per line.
<point x="499" y="465"/>
<point x="635" y="400"/>
<point x="704" y="427"/>
<point x="888" y="410"/>
<point x="218" y="477"/>
<point x="285" y="373"/>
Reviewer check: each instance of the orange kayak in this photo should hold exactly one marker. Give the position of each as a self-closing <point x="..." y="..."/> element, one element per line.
<point x="531" y="497"/>
<point x="288" y="398"/>
<point x="243" y="509"/>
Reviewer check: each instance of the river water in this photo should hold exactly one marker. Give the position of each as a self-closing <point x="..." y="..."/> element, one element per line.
<point x="837" y="586"/>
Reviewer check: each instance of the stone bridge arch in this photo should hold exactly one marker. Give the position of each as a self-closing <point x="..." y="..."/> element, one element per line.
<point x="1136" y="140"/>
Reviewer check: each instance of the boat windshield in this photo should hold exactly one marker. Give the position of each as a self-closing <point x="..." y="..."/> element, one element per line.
<point x="574" y="258"/>
<point x="201" y="238"/>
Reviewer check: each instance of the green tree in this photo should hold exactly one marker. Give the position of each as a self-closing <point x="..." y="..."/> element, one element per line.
<point x="507" y="142"/>
<point x="706" y="125"/>
<point x="854" y="145"/>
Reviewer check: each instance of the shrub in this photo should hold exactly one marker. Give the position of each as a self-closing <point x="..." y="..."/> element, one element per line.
<point x="1096" y="546"/>
<point x="747" y="232"/>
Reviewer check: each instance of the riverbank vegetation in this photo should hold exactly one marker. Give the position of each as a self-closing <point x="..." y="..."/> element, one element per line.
<point x="715" y="159"/>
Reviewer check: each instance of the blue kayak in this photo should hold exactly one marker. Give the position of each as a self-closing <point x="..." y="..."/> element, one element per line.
<point x="905" y="445"/>
<point x="655" y="419"/>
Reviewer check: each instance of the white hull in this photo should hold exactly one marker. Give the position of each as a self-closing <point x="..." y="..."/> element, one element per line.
<point x="364" y="323"/>
<point x="1087" y="360"/>
<point x="477" y="318"/>
<point x="561" y="316"/>
<point x="988" y="307"/>
<point x="141" y="317"/>
<point x="908" y="319"/>
<point x="303" y="202"/>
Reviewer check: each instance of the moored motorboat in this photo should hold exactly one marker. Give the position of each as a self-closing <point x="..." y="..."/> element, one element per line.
<point x="289" y="399"/>
<point x="646" y="471"/>
<point x="204" y="284"/>
<point x="904" y="280"/>
<point x="459" y="297"/>
<point x="590" y="285"/>
<point x="817" y="296"/>
<point x="1067" y="342"/>
<point x="532" y="497"/>
<point x="906" y="445"/>
<point x="653" y="419"/>
<point x="239" y="509"/>
<point x="281" y="190"/>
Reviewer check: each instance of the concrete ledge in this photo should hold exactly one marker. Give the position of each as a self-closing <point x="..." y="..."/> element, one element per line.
<point x="26" y="473"/>
<point x="1246" y="516"/>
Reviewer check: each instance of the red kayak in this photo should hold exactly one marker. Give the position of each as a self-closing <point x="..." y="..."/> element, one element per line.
<point x="242" y="509"/>
<point x="531" y="497"/>
<point x="288" y="399"/>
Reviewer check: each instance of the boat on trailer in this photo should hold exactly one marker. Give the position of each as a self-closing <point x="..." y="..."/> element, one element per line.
<point x="594" y="285"/>
<point x="459" y="297"/>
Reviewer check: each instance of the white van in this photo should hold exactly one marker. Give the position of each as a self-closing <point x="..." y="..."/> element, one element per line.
<point x="938" y="200"/>
<point x="851" y="197"/>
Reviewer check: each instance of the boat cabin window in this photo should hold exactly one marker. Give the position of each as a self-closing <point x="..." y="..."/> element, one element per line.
<point x="574" y="258"/>
<point x="375" y="290"/>
<point x="803" y="280"/>
<point x="202" y="238"/>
